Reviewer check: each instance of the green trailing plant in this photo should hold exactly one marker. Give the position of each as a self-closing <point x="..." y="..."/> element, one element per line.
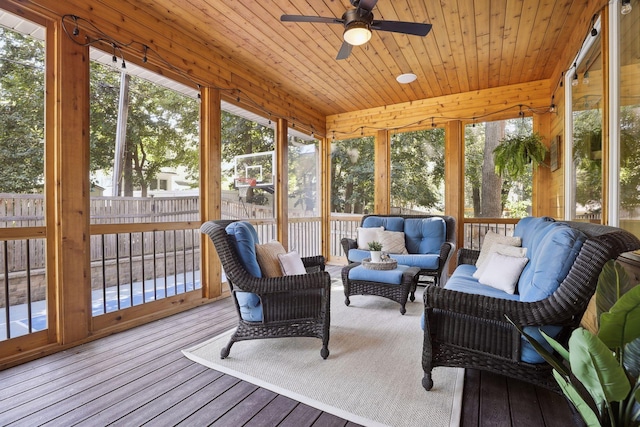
<point x="375" y="246"/>
<point x="606" y="365"/>
<point x="516" y="152"/>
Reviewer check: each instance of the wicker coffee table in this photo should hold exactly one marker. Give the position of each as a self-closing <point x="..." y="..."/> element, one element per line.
<point x="397" y="285"/>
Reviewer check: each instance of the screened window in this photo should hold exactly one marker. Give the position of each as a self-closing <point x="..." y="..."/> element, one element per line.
<point x="352" y="175"/>
<point x="629" y="210"/>
<point x="417" y="172"/>
<point x="488" y="194"/>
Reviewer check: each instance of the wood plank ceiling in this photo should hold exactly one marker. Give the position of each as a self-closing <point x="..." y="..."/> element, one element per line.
<point x="474" y="44"/>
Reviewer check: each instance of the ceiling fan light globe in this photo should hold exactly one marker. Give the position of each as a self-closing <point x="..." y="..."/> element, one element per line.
<point x="357" y="33"/>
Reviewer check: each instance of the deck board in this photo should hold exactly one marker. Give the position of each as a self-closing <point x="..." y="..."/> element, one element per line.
<point x="140" y="377"/>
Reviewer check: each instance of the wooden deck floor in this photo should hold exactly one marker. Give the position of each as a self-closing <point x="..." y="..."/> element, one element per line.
<point x="140" y="377"/>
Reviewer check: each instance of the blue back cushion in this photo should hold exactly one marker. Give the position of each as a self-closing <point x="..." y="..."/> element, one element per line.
<point x="391" y="223"/>
<point x="550" y="263"/>
<point x="245" y="240"/>
<point x="424" y="235"/>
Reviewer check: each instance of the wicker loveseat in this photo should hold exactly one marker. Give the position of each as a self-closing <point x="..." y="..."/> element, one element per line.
<point x="429" y="242"/>
<point x="270" y="307"/>
<point x="465" y="324"/>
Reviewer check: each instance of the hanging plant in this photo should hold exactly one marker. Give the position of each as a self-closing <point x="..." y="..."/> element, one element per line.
<point x="516" y="152"/>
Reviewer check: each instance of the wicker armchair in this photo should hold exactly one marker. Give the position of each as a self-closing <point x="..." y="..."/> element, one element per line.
<point x="292" y="306"/>
<point x="470" y="331"/>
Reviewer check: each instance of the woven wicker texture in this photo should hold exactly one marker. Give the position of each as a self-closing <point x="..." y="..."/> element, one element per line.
<point x="446" y="250"/>
<point x="398" y="293"/>
<point x="467" y="330"/>
<point x="293" y="306"/>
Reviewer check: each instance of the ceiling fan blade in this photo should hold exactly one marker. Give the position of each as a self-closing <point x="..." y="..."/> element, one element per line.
<point x="318" y="19"/>
<point x="345" y="51"/>
<point x="367" y="4"/>
<point x="412" y="28"/>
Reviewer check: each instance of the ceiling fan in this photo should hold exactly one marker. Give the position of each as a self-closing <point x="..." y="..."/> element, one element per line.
<point x="358" y="24"/>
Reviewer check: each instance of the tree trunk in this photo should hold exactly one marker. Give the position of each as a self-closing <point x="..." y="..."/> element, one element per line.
<point x="128" y="173"/>
<point x="348" y="192"/>
<point x="491" y="183"/>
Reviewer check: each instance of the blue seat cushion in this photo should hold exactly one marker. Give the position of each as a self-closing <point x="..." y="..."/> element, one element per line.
<point x="391" y="223"/>
<point x="424" y="235"/>
<point x="245" y="239"/>
<point x="391" y="277"/>
<point x="462" y="280"/>
<point x="424" y="262"/>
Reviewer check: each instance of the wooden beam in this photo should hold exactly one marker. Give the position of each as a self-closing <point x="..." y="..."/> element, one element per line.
<point x="454" y="176"/>
<point x="382" y="173"/>
<point x="210" y="187"/>
<point x="325" y="198"/>
<point x="482" y="105"/>
<point x="70" y="164"/>
<point x="192" y="61"/>
<point x="282" y="183"/>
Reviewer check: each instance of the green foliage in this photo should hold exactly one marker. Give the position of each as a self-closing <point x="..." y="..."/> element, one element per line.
<point x="417" y="169"/>
<point x="606" y="365"/>
<point x="352" y="175"/>
<point x="375" y="246"/>
<point x="21" y="113"/>
<point x="517" y="153"/>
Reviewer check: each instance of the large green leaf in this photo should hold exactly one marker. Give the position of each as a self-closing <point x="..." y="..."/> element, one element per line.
<point x="596" y="367"/>
<point x="546" y="355"/>
<point x="612" y="283"/>
<point x="556" y="346"/>
<point x="589" y="417"/>
<point x="621" y="324"/>
<point x="632" y="358"/>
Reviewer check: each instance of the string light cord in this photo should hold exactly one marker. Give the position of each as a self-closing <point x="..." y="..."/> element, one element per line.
<point x="433" y="119"/>
<point x="71" y="25"/>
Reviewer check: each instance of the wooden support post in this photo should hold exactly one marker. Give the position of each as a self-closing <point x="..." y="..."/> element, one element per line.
<point x="282" y="183"/>
<point x="69" y="216"/>
<point x="382" y="172"/>
<point x="210" y="191"/>
<point x="542" y="199"/>
<point x="454" y="177"/>
<point x="325" y="198"/>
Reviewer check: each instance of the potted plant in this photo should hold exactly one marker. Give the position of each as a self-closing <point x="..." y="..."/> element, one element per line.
<point x="606" y="365"/>
<point x="376" y="251"/>
<point x="516" y="152"/>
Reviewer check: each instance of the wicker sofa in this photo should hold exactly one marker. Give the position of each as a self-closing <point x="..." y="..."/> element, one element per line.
<point x="429" y="242"/>
<point x="465" y="324"/>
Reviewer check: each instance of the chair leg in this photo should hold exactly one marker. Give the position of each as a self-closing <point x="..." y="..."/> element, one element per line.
<point x="427" y="382"/>
<point x="325" y="351"/>
<point x="225" y="351"/>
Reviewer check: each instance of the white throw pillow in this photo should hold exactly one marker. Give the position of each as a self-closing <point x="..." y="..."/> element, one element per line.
<point x="291" y="264"/>
<point x="367" y="235"/>
<point x="491" y="238"/>
<point x="503" y="271"/>
<point x="500" y="248"/>
<point x="392" y="242"/>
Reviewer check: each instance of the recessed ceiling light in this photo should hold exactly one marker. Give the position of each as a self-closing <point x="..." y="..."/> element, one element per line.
<point x="406" y="78"/>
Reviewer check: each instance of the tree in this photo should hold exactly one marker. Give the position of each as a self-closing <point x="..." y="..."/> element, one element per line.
<point x="352" y="164"/>
<point x="162" y="129"/>
<point x="417" y="169"/>
<point x="21" y="113"/>
<point x="587" y="150"/>
<point x="491" y="195"/>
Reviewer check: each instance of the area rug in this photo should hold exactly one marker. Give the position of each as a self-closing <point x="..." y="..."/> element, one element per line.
<point x="371" y="377"/>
